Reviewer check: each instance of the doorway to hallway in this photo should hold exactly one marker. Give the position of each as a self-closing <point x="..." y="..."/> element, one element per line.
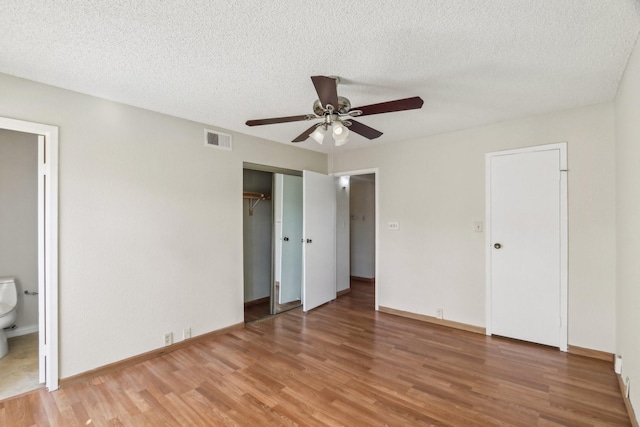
<point x="357" y="229"/>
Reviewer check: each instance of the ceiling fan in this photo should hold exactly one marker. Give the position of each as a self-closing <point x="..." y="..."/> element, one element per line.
<point x="336" y="113"/>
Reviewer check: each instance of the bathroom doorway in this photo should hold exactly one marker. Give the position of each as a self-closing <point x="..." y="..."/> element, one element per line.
<point x="19" y="258"/>
<point x="30" y="191"/>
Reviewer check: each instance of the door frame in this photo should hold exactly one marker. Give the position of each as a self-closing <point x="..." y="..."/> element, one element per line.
<point x="47" y="241"/>
<point x="376" y="172"/>
<point x="564" y="236"/>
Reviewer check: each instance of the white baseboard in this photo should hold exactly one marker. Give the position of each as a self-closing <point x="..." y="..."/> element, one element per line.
<point x="23" y="330"/>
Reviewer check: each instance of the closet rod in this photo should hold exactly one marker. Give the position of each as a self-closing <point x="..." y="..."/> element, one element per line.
<point x="254" y="198"/>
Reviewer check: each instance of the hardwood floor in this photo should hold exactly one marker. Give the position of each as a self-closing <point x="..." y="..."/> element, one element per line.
<point x="262" y="310"/>
<point x="342" y="364"/>
<point x="257" y="311"/>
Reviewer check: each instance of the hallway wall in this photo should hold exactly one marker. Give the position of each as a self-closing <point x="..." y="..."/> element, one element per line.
<point x="363" y="226"/>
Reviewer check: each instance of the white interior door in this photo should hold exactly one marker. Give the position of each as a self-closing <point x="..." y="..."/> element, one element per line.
<point x="319" y="233"/>
<point x="525" y="246"/>
<point x="291" y="267"/>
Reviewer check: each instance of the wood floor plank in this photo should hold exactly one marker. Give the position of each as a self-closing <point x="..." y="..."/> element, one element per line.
<point x="341" y="364"/>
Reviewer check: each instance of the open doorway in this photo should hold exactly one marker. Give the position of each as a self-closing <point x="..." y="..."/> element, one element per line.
<point x="357" y="231"/>
<point x="28" y="191"/>
<point x="362" y="230"/>
<point x="19" y="260"/>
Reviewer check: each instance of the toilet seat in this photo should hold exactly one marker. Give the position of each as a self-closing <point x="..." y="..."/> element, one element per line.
<point x="8" y="296"/>
<point x="6" y="309"/>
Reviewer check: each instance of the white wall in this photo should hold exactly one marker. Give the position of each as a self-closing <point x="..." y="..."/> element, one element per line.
<point x="343" y="281"/>
<point x="150" y="222"/>
<point x="363" y="226"/>
<point x="434" y="187"/>
<point x="19" y="221"/>
<point x="257" y="243"/>
<point x="627" y="108"/>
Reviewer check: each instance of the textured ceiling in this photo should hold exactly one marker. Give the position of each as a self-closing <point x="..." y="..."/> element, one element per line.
<point x="473" y="62"/>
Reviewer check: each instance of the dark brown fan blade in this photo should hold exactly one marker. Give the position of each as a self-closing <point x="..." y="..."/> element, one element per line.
<point x="279" y="120"/>
<point x="327" y="89"/>
<point x="364" y="130"/>
<point x="391" y="106"/>
<point x="304" y="135"/>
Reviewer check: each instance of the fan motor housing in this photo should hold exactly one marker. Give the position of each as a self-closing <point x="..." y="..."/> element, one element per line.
<point x="344" y="105"/>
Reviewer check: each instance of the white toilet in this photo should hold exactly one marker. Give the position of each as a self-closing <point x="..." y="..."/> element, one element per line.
<point x="8" y="302"/>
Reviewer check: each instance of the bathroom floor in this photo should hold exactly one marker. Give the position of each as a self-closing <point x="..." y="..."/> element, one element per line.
<point x="20" y="367"/>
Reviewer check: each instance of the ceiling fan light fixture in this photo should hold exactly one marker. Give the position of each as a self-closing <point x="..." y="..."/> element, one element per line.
<point x="318" y="134"/>
<point x="335" y="111"/>
<point x="340" y="134"/>
<point x="342" y="141"/>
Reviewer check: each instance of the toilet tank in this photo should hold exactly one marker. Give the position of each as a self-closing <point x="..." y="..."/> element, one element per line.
<point x="8" y="293"/>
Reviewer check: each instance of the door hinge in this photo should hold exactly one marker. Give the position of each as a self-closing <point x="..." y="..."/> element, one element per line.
<point x="45" y="169"/>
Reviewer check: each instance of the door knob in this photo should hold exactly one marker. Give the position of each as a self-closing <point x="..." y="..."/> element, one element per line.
<point x="309" y="240"/>
<point x="497" y="246"/>
<point x="286" y="239"/>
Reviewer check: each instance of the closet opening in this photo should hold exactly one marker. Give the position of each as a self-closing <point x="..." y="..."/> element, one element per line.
<point x="272" y="241"/>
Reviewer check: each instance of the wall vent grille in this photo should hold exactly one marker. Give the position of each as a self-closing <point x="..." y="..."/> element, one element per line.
<point x="217" y="140"/>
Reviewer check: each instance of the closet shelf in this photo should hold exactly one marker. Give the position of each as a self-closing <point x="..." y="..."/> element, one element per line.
<point x="254" y="198"/>
<point x="255" y="195"/>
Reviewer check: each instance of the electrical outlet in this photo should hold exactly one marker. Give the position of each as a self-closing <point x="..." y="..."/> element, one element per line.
<point x="168" y="338"/>
<point x="394" y="225"/>
<point x="186" y="333"/>
<point x="439" y="313"/>
<point x="617" y="366"/>
<point x="627" y="385"/>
